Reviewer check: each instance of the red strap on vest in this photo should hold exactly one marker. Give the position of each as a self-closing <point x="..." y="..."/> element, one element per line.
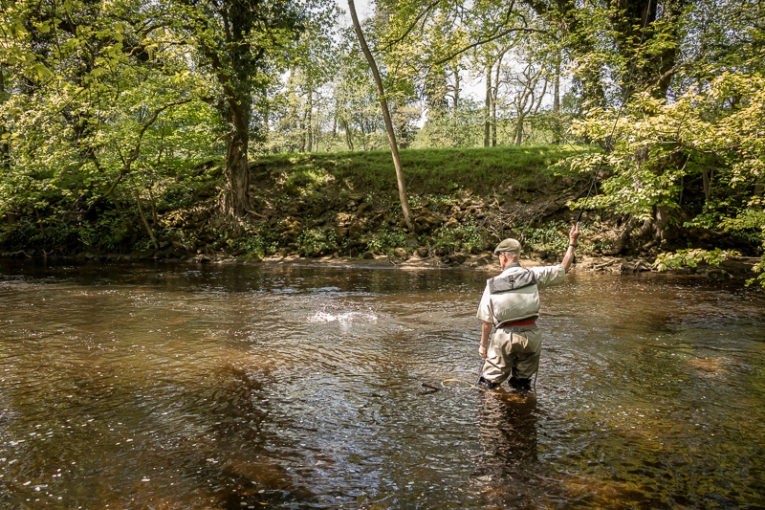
<point x="518" y="324"/>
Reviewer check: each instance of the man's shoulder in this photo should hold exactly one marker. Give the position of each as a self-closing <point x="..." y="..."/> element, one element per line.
<point x="512" y="278"/>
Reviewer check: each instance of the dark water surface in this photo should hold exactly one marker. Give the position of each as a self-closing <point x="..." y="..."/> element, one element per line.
<point x="300" y="387"/>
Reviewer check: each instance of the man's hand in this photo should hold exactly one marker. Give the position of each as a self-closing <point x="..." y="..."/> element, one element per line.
<point x="573" y="235"/>
<point x="568" y="258"/>
<point x="486" y="328"/>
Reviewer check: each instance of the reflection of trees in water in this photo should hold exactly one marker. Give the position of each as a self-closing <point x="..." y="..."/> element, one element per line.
<point x="508" y="438"/>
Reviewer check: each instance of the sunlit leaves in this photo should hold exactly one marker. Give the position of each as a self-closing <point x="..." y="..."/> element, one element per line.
<point x="87" y="114"/>
<point x="715" y="134"/>
<point x="693" y="258"/>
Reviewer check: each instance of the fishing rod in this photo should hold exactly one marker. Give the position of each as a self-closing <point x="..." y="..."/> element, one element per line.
<point x="609" y="141"/>
<point x="594" y="177"/>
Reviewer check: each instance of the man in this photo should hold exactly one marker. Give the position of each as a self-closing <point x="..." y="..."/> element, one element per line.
<point x="510" y="306"/>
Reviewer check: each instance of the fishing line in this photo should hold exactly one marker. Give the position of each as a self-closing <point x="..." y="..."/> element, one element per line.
<point x="609" y="141"/>
<point x="429" y="388"/>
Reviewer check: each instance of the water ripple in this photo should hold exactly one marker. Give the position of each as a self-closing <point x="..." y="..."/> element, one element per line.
<point x="240" y="387"/>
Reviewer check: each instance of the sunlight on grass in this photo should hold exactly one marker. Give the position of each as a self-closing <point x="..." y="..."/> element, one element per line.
<point x="432" y="171"/>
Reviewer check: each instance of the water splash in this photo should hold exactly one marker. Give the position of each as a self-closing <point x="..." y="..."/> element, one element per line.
<point x="343" y="317"/>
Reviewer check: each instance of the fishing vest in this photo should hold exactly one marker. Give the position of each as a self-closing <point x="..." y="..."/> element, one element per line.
<point x="514" y="295"/>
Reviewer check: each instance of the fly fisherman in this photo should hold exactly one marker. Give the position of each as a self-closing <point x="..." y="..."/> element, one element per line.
<point x="510" y="306"/>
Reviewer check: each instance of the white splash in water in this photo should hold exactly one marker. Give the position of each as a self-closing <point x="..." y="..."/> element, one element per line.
<point x="324" y="316"/>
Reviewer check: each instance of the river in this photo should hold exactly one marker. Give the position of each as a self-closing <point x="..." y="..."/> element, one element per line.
<point x="257" y="386"/>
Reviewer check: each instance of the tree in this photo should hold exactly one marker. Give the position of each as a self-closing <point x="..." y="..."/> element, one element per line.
<point x="356" y="104"/>
<point x="415" y="44"/>
<point x="647" y="37"/>
<point x="688" y="167"/>
<point x="386" y="116"/>
<point x="619" y="46"/>
<point x="92" y="87"/>
<point x="527" y="79"/>
<point x="312" y="63"/>
<point x="494" y="56"/>
<point x="243" y="42"/>
<point x="527" y="97"/>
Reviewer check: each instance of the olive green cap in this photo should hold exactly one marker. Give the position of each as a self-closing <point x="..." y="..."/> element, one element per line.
<point x="508" y="245"/>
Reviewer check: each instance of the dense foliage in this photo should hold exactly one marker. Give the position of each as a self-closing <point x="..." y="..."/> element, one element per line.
<point x="688" y="163"/>
<point x="128" y="125"/>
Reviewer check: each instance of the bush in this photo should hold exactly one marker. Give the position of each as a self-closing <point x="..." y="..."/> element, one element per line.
<point x="692" y="259"/>
<point x="316" y="242"/>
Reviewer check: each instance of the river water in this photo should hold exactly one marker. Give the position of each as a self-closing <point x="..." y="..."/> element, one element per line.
<point x="190" y="387"/>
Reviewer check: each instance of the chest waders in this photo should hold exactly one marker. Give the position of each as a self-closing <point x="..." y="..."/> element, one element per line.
<point x="515" y="304"/>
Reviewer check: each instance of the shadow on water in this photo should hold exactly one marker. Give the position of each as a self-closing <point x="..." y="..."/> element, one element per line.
<point x="297" y="387"/>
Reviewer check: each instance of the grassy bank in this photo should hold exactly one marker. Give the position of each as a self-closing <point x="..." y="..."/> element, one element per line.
<point x="346" y="205"/>
<point x="312" y="205"/>
<point x="428" y="172"/>
<point x="462" y="202"/>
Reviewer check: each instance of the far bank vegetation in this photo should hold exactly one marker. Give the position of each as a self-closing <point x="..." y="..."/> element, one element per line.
<point x="244" y="129"/>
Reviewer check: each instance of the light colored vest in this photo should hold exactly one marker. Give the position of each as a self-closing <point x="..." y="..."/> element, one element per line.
<point x="514" y="295"/>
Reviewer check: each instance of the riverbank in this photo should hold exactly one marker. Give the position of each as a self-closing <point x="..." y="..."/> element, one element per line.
<point x="344" y="209"/>
<point x="737" y="269"/>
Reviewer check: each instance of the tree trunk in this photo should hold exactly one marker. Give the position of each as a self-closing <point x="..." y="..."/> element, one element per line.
<point x="5" y="147"/>
<point x="557" y="124"/>
<point x="635" y="24"/>
<point x="456" y="105"/>
<point x="564" y="13"/>
<point x="364" y="134"/>
<point x="335" y="117"/>
<point x="386" y="116"/>
<point x="265" y="110"/>
<point x="494" y="122"/>
<point x="556" y="87"/>
<point x="494" y="116"/>
<point x="309" y="121"/>
<point x="487" y="109"/>
<point x="302" y="130"/>
<point x="145" y="221"/>
<point x="519" y="130"/>
<point x="235" y="195"/>
<point x="494" y="100"/>
<point x="348" y="135"/>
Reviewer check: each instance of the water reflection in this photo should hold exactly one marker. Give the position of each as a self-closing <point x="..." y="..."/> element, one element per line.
<point x="289" y="387"/>
<point x="508" y="437"/>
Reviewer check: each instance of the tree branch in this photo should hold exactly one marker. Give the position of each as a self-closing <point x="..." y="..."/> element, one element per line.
<point x="411" y="27"/>
<point x="136" y="151"/>
<point x="480" y="42"/>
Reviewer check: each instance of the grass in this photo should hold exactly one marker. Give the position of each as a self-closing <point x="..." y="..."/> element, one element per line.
<point x="480" y="171"/>
<point x="461" y="199"/>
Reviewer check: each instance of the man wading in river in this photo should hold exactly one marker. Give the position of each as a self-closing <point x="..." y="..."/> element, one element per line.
<point x="510" y="306"/>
